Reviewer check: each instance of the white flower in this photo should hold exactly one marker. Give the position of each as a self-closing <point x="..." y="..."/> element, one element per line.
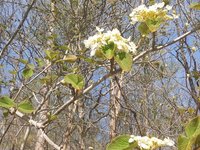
<point x="131" y="140"/>
<point x="156" y="6"/>
<point x="168" y="7"/>
<point x="168" y="142"/>
<point x="100" y="39"/>
<point x="150" y="143"/>
<point x="194" y="48"/>
<point x="157" y="12"/>
<point x="99" y="29"/>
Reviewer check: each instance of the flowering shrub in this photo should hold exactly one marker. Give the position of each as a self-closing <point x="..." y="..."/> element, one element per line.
<point x="150" y="143"/>
<point x="111" y="39"/>
<point x="152" y="16"/>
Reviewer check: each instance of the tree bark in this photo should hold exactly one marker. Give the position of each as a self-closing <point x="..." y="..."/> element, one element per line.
<point x="114" y="107"/>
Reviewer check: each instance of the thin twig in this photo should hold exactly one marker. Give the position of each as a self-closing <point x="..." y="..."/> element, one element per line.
<point x="18" y="29"/>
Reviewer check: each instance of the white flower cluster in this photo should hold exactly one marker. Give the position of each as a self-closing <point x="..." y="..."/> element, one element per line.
<point x="155" y="12"/>
<point x="150" y="143"/>
<point x="100" y="39"/>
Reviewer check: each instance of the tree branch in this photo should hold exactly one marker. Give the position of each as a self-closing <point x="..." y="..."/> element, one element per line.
<point x="18" y="28"/>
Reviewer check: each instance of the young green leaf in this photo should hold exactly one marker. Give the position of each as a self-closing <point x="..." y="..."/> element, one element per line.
<point x="153" y="25"/>
<point x="23" y="61"/>
<point x="184" y="143"/>
<point x="195" y="6"/>
<point x="121" y="143"/>
<point x="25" y="107"/>
<point x="108" y="50"/>
<point x="124" y="60"/>
<point x="193" y="127"/>
<point x="70" y="58"/>
<point x="6" y="102"/>
<point x="77" y="81"/>
<point x="144" y="29"/>
<point x="27" y="73"/>
<point x="5" y="113"/>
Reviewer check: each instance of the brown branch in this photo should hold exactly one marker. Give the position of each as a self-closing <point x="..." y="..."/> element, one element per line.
<point x="166" y="45"/>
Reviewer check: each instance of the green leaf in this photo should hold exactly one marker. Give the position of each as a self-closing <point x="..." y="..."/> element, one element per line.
<point x="6" y="102"/>
<point x="77" y="81"/>
<point x="108" y="50"/>
<point x="184" y="143"/>
<point x="151" y="2"/>
<point x="13" y="72"/>
<point x="195" y="6"/>
<point x="144" y="29"/>
<point x="25" y="107"/>
<point x="31" y="66"/>
<point x="5" y="113"/>
<point x="193" y="127"/>
<point x="121" y="143"/>
<point x="124" y="60"/>
<point x="51" y="55"/>
<point x="27" y="73"/>
<point x="23" y="61"/>
<point x="153" y="25"/>
<point x="48" y="79"/>
<point x="166" y="2"/>
<point x="40" y="62"/>
<point x="52" y="117"/>
<point x="70" y="58"/>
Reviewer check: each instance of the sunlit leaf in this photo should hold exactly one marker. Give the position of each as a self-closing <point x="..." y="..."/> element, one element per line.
<point x="193" y="127"/>
<point x="195" y="6"/>
<point x="184" y="143"/>
<point x="121" y="143"/>
<point x="124" y="60"/>
<point x="108" y="50"/>
<point x="70" y="58"/>
<point x="5" y="113"/>
<point x="143" y="28"/>
<point x="6" y="102"/>
<point x="23" y="61"/>
<point x="76" y="80"/>
<point x="25" y="107"/>
<point x="153" y="25"/>
<point x="27" y="73"/>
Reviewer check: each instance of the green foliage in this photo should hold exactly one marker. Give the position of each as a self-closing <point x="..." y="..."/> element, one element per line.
<point x="13" y="72"/>
<point x="143" y="28"/>
<point x="48" y="79"/>
<point x="6" y="102"/>
<point x="70" y="58"/>
<point x="108" y="50"/>
<point x="166" y="2"/>
<point x="40" y="62"/>
<point x="121" y="143"/>
<point x="151" y="2"/>
<point x="52" y="55"/>
<point x="193" y="127"/>
<point x="124" y="60"/>
<point x="76" y="80"/>
<point x="153" y="25"/>
<point x="184" y="143"/>
<point x="27" y="73"/>
<point x="23" y="61"/>
<point x="195" y="6"/>
<point x="5" y="113"/>
<point x="192" y="131"/>
<point x="51" y="117"/>
<point x="25" y="107"/>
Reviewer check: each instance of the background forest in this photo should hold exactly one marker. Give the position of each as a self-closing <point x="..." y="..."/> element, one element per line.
<point x="54" y="95"/>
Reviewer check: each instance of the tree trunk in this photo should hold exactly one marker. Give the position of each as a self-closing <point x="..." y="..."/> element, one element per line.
<point x="114" y="107"/>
